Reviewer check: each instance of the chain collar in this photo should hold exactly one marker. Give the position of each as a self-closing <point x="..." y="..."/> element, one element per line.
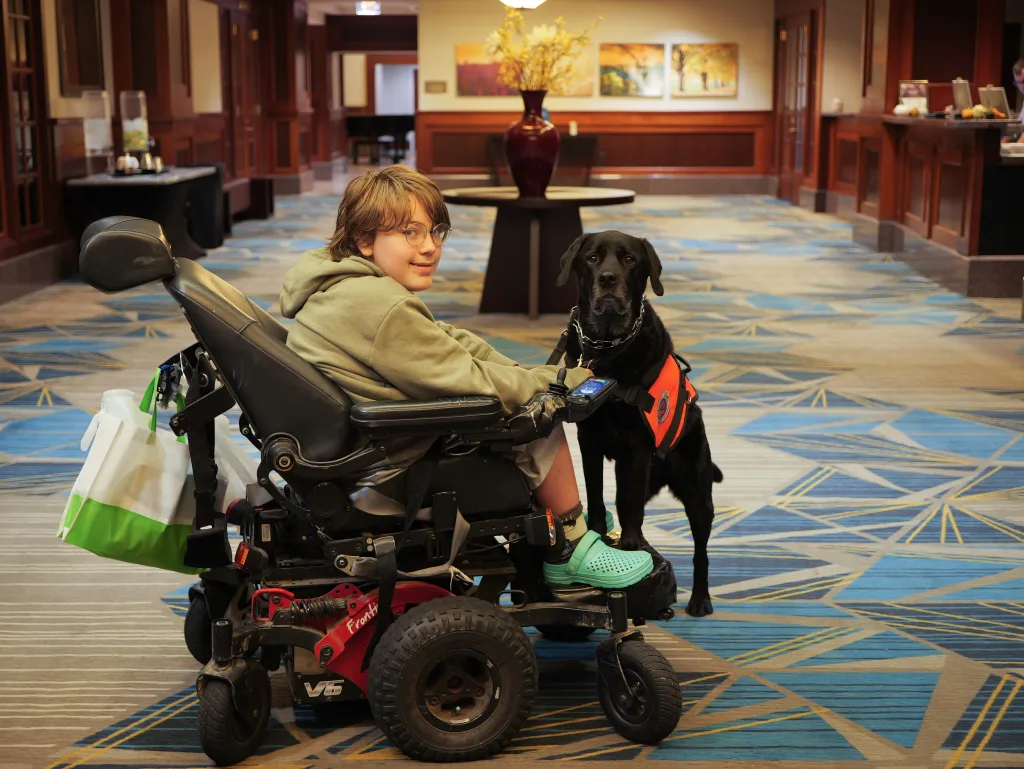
<point x="607" y="344"/>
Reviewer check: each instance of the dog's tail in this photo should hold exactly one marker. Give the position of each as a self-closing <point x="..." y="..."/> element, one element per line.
<point x="717" y="473"/>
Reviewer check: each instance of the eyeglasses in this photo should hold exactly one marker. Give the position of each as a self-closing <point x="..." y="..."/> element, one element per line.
<point x="416" y="233"/>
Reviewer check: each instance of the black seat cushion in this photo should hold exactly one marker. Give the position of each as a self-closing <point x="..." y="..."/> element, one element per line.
<point x="278" y="391"/>
<point x="428" y="415"/>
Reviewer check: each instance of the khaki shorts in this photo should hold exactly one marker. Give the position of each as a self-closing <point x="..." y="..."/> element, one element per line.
<point x="535" y="459"/>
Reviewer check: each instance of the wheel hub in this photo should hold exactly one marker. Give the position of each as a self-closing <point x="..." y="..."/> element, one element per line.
<point x="457" y="690"/>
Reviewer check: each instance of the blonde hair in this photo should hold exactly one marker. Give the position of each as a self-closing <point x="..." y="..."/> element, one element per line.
<point x="378" y="201"/>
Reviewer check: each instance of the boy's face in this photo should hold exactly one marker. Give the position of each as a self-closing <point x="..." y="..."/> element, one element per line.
<point x="412" y="266"/>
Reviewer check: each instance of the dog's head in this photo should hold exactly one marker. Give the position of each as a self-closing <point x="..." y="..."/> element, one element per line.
<point x="613" y="269"/>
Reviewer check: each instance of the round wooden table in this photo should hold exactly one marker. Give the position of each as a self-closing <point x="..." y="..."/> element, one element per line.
<point x="530" y="235"/>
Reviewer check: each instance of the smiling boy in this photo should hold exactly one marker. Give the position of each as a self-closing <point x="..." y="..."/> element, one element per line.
<point x="358" y="319"/>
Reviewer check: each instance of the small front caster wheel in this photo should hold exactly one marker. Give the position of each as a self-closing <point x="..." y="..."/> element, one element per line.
<point x="226" y="735"/>
<point x="198" y="630"/>
<point x="647" y="709"/>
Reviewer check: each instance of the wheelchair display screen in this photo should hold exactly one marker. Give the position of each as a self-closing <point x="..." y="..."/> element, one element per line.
<point x="593" y="387"/>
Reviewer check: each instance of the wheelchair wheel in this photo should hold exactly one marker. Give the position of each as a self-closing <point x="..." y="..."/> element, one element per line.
<point x="199" y="631"/>
<point x="452" y="680"/>
<point x="657" y="700"/>
<point x="225" y="736"/>
<point x="566" y="633"/>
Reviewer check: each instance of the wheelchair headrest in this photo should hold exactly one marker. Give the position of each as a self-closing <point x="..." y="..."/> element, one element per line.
<point x="122" y="252"/>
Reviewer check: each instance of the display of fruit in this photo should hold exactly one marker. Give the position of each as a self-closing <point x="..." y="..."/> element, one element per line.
<point x="981" y="112"/>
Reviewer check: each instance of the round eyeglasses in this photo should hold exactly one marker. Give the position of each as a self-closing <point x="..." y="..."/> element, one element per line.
<point x="417" y="233"/>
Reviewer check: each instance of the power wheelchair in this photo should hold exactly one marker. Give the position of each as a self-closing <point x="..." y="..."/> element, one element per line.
<point x="412" y="595"/>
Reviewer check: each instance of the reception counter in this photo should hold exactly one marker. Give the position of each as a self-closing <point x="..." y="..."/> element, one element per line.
<point x="919" y="182"/>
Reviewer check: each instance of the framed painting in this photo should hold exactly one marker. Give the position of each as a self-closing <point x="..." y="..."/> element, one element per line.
<point x="632" y="69"/>
<point x="476" y="73"/>
<point x="703" y="70"/>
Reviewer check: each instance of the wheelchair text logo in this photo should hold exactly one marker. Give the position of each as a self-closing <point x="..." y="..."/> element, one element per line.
<point x="355" y="625"/>
<point x="326" y="688"/>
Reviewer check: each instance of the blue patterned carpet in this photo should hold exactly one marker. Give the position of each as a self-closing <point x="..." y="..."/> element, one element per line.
<point x="867" y="562"/>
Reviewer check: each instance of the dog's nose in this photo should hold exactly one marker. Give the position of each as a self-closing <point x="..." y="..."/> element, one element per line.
<point x="608" y="279"/>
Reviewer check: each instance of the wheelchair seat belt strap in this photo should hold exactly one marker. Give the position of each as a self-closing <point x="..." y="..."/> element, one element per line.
<point x="419" y="477"/>
<point x="387" y="576"/>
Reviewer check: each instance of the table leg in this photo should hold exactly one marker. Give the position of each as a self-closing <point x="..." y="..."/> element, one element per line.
<point x="526" y="248"/>
<point x="534" y="308"/>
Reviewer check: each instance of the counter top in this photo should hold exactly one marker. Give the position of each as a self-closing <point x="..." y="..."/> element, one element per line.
<point x="172" y="175"/>
<point x="952" y="125"/>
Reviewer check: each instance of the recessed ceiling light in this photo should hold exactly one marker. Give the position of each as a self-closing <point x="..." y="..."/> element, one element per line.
<point x="368" y="8"/>
<point x="528" y="4"/>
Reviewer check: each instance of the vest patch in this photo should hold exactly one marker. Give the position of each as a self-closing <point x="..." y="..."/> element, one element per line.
<point x="672" y="393"/>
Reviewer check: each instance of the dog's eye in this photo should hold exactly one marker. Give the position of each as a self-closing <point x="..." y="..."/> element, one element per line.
<point x="629" y="260"/>
<point x="592" y="258"/>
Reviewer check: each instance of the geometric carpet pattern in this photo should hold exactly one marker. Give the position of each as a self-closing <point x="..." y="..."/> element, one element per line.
<point x="867" y="559"/>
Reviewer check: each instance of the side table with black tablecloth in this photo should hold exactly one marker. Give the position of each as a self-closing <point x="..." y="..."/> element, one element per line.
<point x="161" y="197"/>
<point x="530" y="236"/>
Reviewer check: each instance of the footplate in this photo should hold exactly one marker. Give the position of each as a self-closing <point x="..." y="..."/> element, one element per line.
<point x="653" y="597"/>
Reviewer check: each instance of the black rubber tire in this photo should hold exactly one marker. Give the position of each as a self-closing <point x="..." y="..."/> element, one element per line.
<point x="199" y="631"/>
<point x="418" y="638"/>
<point x="566" y="633"/>
<point x="223" y="735"/>
<point x="660" y="686"/>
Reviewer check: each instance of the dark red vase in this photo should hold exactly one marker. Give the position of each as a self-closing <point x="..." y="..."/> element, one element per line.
<point x="531" y="147"/>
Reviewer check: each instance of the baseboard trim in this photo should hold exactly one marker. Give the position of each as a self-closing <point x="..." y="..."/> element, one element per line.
<point x="23" y="274"/>
<point x="991" y="277"/>
<point x="293" y="184"/>
<point x="815" y="201"/>
<point x="326" y="170"/>
<point x="840" y="205"/>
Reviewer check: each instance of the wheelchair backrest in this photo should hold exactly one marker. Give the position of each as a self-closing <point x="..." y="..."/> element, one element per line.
<point x="278" y="391"/>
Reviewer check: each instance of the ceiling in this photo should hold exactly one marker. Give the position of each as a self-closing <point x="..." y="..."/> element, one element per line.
<point x="348" y="7"/>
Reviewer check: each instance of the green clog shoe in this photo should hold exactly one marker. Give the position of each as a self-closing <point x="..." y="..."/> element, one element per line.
<point x="596" y="564"/>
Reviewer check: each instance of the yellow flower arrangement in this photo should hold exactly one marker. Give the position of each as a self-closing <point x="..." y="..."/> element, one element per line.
<point x="542" y="58"/>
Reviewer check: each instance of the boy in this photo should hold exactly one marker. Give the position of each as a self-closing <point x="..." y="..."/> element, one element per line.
<point x="357" y="318"/>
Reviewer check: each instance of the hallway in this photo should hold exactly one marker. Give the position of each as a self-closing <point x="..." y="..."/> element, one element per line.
<point x="867" y="561"/>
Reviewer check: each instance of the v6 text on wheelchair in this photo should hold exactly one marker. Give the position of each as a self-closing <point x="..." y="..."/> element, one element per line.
<point x="413" y="596"/>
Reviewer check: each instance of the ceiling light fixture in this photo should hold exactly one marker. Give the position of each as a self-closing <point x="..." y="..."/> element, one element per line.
<point x="527" y="4"/>
<point x="368" y="8"/>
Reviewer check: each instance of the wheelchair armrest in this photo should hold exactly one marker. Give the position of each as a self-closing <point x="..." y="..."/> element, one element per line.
<point x="437" y="416"/>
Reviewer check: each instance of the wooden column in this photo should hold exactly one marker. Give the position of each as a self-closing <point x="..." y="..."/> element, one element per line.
<point x="287" y="125"/>
<point x="326" y="141"/>
<point x="151" y="54"/>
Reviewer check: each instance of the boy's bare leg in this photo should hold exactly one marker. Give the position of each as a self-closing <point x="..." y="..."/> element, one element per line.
<point x="558" y="491"/>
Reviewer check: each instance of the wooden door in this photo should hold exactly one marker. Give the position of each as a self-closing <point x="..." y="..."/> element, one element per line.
<point x="794" y="63"/>
<point x="27" y="180"/>
<point x="242" y="87"/>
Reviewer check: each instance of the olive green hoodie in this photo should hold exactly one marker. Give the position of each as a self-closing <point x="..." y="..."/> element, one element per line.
<point x="378" y="341"/>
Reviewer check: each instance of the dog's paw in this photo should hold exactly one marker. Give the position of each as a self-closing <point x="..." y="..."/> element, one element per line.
<point x="700" y="605"/>
<point x="629" y="541"/>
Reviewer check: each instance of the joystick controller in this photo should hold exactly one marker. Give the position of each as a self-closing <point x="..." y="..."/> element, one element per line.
<point x="558" y="386"/>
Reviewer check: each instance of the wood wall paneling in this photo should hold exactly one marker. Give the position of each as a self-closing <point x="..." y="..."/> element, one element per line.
<point x="943" y="43"/>
<point x="628" y="142"/>
<point x="287" y="126"/>
<point x="361" y="34"/>
<point x="916" y="202"/>
<point x="68" y="148"/>
<point x="948" y="197"/>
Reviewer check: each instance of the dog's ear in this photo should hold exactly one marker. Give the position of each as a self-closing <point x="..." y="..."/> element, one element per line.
<point x="569" y="257"/>
<point x="654" y="264"/>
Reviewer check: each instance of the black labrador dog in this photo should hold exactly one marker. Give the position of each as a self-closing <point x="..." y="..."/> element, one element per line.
<point x="616" y="333"/>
